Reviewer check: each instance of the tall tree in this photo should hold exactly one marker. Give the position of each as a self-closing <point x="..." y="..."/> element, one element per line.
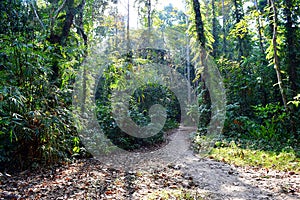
<point x="259" y="27"/>
<point x="291" y="48"/>
<point x="60" y="37"/>
<point x="224" y="28"/>
<point x="199" y="23"/>
<point x="201" y="39"/>
<point x="275" y="52"/>
<point x="238" y="12"/>
<point x="214" y="29"/>
<point x="149" y="24"/>
<point x="149" y="11"/>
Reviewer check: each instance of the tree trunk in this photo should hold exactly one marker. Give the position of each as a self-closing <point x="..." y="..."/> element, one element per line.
<point x="291" y="41"/>
<point x="188" y="62"/>
<point x="224" y="29"/>
<point x="238" y="19"/>
<point x="61" y="38"/>
<point x="259" y="28"/>
<point x="206" y="101"/>
<point x="214" y="30"/>
<point x="292" y="62"/>
<point x="276" y="59"/>
<point x="68" y="22"/>
<point x="199" y="23"/>
<point x="129" y="52"/>
<point x="127" y="31"/>
<point x="149" y="19"/>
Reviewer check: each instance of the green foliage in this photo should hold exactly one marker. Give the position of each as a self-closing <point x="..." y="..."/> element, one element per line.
<point x="255" y="117"/>
<point x="36" y="125"/>
<point x="272" y="123"/>
<point x="296" y="101"/>
<point x="240" y="30"/>
<point x="175" y="194"/>
<point x="139" y="105"/>
<point x="44" y="42"/>
<point x="35" y="117"/>
<point x="286" y="159"/>
<point x="204" y="112"/>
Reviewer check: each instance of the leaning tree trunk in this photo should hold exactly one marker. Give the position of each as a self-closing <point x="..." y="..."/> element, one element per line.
<point x="276" y="59"/>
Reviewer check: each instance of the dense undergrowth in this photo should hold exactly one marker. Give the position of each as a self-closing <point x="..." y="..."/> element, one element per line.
<point x="149" y="94"/>
<point x="258" y="130"/>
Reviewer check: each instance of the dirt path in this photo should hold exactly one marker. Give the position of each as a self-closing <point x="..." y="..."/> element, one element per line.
<point x="166" y="173"/>
<point x="216" y="179"/>
<point x="223" y="181"/>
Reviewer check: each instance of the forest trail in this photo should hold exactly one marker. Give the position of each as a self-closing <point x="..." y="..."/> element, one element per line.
<point x="223" y="181"/>
<point x="217" y="180"/>
<point x="169" y="172"/>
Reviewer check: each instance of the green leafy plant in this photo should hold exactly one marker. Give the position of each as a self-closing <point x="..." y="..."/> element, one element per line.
<point x="140" y="103"/>
<point x="233" y="153"/>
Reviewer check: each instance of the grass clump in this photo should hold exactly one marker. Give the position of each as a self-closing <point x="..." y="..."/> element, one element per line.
<point x="175" y="194"/>
<point x="232" y="153"/>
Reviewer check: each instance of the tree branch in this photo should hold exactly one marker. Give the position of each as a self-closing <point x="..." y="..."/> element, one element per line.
<point x="56" y="14"/>
<point x="69" y="19"/>
<point x="37" y="16"/>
